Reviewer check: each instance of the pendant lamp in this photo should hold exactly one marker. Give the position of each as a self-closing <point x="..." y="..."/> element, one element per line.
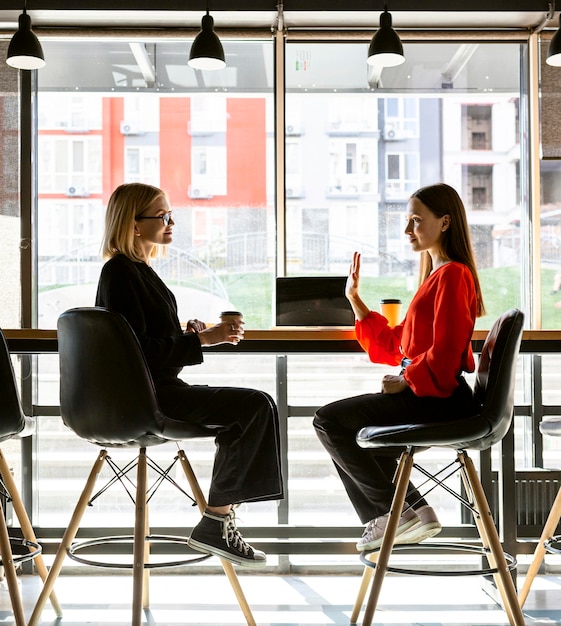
<point x="385" y="48"/>
<point x="207" y="52"/>
<point x="24" y="51"/>
<point x="554" y="51"/>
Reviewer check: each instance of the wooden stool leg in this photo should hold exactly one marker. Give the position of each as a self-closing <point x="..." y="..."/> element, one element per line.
<point x="139" y="539"/>
<point x="10" y="571"/>
<point x="403" y="474"/>
<point x="364" y="583"/>
<point x="490" y="538"/>
<point x="369" y="571"/>
<point x="226" y="565"/>
<point x="67" y="539"/>
<point x="539" y="553"/>
<point x="25" y="524"/>
<point x="192" y="480"/>
<point x="146" y="578"/>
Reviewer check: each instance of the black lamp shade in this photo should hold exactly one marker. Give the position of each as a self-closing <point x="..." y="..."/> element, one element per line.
<point x="554" y="52"/>
<point x="385" y="48"/>
<point x="207" y="52"/>
<point x="24" y="51"/>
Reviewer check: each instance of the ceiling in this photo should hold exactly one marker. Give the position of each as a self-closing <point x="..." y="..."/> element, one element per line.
<point x="298" y="14"/>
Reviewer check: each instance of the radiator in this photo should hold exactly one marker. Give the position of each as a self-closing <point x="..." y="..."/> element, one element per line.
<point x="535" y="492"/>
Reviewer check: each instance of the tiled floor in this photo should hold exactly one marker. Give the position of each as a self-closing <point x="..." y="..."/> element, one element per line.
<point x="207" y="600"/>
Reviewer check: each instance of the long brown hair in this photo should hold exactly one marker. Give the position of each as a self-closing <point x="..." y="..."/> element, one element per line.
<point x="455" y="243"/>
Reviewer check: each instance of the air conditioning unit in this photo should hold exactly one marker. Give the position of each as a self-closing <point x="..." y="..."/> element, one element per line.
<point x="294" y="191"/>
<point x="392" y="133"/>
<point x="199" y="192"/>
<point x="293" y="129"/>
<point x="77" y="192"/>
<point x="131" y="128"/>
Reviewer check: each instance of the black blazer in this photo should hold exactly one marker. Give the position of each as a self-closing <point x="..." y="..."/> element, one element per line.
<point x="134" y="290"/>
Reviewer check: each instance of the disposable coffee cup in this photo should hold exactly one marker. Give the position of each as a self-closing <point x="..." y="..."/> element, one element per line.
<point x="231" y="316"/>
<point x="391" y="310"/>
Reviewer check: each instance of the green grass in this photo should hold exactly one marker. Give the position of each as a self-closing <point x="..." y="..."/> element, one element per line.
<point x="253" y="294"/>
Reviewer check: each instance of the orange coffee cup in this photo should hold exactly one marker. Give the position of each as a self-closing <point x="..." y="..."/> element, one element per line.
<point x="391" y="310"/>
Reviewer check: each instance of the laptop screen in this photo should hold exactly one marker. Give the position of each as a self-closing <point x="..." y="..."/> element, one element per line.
<point x="312" y="301"/>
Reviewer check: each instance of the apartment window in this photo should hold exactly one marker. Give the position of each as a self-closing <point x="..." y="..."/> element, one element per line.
<point x="478" y="126"/>
<point x="479" y="182"/>
<point x="351" y="158"/>
<point x="402" y="177"/>
<point x="401" y="118"/>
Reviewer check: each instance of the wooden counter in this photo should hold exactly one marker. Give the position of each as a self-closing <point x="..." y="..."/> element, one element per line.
<point x="285" y="340"/>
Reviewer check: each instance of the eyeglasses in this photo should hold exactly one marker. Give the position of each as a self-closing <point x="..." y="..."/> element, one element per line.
<point x="166" y="217"/>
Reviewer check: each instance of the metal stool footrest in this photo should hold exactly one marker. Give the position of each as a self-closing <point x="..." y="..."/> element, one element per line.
<point x="553" y="545"/>
<point x="153" y="539"/>
<point x="25" y="556"/>
<point x="450" y="547"/>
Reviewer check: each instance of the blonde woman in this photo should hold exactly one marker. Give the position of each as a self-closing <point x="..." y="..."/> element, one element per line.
<point x="247" y="462"/>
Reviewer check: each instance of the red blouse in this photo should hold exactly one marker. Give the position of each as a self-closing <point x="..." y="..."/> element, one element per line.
<point x="435" y="334"/>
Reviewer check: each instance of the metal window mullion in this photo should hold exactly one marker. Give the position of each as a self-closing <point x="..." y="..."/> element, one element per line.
<point x="280" y="152"/>
<point x="28" y="257"/>
<point x="533" y="151"/>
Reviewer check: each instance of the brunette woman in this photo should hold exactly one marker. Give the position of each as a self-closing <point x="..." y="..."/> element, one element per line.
<point x="433" y="346"/>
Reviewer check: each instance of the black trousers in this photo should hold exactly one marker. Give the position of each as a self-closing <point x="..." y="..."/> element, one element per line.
<point x="247" y="464"/>
<point x="367" y="473"/>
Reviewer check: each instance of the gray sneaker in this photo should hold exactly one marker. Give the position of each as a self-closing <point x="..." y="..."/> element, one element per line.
<point x="429" y="526"/>
<point x="375" y="529"/>
<point x="218" y="535"/>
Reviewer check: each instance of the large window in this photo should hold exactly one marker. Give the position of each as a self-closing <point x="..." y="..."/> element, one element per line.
<point x="366" y="142"/>
<point x="203" y="137"/>
<point x="357" y="146"/>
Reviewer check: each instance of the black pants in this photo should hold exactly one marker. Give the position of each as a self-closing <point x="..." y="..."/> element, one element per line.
<point x="247" y="463"/>
<point x="367" y="473"/>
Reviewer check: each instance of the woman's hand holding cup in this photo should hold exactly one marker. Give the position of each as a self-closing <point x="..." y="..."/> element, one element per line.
<point x="229" y="330"/>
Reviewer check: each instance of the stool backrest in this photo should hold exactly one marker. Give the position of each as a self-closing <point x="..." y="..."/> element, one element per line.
<point x="107" y="393"/>
<point x="12" y="418"/>
<point x="496" y="371"/>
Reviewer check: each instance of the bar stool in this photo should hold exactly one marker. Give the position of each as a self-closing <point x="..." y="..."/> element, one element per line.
<point x="15" y="424"/>
<point x="494" y="388"/>
<point x="548" y="542"/>
<point x="107" y="397"/>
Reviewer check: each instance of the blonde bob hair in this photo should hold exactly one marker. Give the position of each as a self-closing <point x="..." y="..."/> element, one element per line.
<point x="126" y="203"/>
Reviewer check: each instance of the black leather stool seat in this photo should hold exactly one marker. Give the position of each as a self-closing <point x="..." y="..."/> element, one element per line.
<point x="107" y="397"/>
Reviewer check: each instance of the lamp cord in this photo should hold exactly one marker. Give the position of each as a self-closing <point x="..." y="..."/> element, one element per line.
<point x="547" y="18"/>
<point x="280" y="17"/>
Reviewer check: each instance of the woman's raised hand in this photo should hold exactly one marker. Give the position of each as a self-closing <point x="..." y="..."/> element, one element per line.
<point x="351" y="288"/>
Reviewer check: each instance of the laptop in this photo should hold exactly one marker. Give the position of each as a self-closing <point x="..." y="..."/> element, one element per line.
<point x="312" y="301"/>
